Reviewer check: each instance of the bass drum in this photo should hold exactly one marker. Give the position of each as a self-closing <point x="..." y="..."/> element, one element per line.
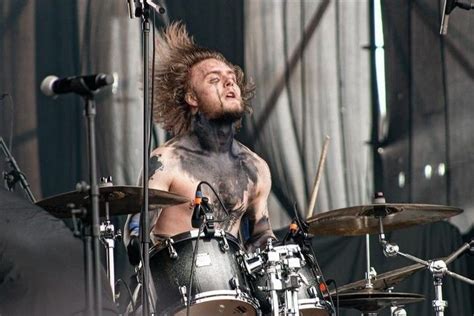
<point x="219" y="286"/>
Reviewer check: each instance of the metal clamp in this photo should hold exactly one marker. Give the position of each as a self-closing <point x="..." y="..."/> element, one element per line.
<point x="171" y="250"/>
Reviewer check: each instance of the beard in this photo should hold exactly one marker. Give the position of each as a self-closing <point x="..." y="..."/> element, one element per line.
<point x="230" y="116"/>
<point x="224" y="114"/>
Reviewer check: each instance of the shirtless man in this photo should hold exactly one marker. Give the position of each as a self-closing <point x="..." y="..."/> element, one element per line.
<point x="201" y="98"/>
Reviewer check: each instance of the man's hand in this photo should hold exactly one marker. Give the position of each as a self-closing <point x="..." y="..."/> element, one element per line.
<point x="133" y="250"/>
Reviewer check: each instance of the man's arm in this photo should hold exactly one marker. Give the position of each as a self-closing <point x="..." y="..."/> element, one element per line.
<point x="257" y="214"/>
<point x="157" y="179"/>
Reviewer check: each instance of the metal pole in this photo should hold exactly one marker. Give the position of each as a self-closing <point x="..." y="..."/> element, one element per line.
<point x="94" y="195"/>
<point x="145" y="236"/>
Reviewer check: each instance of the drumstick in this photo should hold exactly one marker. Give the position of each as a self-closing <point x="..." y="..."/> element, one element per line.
<point x="322" y="160"/>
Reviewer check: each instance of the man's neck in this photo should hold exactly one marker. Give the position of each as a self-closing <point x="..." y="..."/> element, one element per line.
<point x="213" y="135"/>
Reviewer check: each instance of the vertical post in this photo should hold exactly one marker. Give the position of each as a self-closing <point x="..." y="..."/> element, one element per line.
<point x="438" y="303"/>
<point x="90" y="113"/>
<point x="368" y="275"/>
<point x="144" y="233"/>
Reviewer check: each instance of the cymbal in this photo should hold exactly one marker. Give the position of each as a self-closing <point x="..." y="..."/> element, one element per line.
<point x="360" y="220"/>
<point x="122" y="200"/>
<point x="382" y="281"/>
<point x="371" y="301"/>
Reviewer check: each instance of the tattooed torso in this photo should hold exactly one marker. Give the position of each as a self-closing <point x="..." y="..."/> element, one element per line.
<point x="239" y="176"/>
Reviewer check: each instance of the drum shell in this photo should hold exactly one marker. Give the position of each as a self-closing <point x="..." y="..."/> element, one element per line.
<point x="308" y="305"/>
<point x="213" y="273"/>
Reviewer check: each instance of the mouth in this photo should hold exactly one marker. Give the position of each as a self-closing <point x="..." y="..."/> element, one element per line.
<point x="230" y="95"/>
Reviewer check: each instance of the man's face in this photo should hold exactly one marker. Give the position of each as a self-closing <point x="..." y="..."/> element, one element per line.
<point x="214" y="90"/>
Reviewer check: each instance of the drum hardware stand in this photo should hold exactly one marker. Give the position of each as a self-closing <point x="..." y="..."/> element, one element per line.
<point x="15" y="175"/>
<point x="398" y="311"/>
<point x="438" y="267"/>
<point x="108" y="236"/>
<point x="274" y="268"/>
<point x="370" y="273"/>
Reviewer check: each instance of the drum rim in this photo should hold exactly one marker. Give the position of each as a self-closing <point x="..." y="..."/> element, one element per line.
<point x="215" y="296"/>
<point x="192" y="234"/>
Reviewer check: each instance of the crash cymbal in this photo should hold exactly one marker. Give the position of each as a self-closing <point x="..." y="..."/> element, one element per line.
<point x="122" y="200"/>
<point x="360" y="220"/>
<point x="371" y="301"/>
<point x="382" y="281"/>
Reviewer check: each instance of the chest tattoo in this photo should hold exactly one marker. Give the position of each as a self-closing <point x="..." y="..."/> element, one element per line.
<point x="154" y="165"/>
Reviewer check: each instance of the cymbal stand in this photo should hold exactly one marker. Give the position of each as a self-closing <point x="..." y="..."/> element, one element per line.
<point x="438" y="267"/>
<point x="370" y="273"/>
<point x="108" y="235"/>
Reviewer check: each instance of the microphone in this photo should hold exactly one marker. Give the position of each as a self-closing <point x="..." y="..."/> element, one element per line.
<point x="52" y="85"/>
<point x="196" y="219"/>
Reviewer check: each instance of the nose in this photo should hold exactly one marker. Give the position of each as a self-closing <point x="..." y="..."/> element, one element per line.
<point x="229" y="82"/>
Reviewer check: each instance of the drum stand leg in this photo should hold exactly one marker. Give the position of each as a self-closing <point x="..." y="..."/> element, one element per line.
<point x="110" y="245"/>
<point x="438" y="303"/>
<point x="108" y="236"/>
<point x="291" y="300"/>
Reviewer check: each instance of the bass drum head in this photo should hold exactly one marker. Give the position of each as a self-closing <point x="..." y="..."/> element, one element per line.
<point x="312" y="308"/>
<point x="220" y="305"/>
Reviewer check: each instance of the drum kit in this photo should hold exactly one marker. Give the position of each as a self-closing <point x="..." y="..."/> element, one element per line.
<point x="284" y="277"/>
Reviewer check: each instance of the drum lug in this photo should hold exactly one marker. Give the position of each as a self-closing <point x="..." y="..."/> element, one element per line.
<point x="312" y="292"/>
<point x="234" y="283"/>
<point x="223" y="244"/>
<point x="171" y="249"/>
<point x="183" y="292"/>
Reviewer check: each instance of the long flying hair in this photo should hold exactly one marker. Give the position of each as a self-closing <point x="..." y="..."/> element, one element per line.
<point x="177" y="54"/>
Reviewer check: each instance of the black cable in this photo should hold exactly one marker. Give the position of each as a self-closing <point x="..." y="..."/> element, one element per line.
<point x="193" y="264"/>
<point x="303" y="226"/>
<point x="129" y="292"/>
<point x="218" y="198"/>
<point x="330" y="281"/>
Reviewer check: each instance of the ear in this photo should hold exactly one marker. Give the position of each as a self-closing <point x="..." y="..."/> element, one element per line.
<point x="192" y="101"/>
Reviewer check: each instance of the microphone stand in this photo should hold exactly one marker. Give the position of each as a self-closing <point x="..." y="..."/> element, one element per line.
<point x="92" y="226"/>
<point x="15" y="175"/>
<point x="141" y="8"/>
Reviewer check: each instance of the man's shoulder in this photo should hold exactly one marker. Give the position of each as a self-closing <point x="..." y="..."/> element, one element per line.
<point x="168" y="148"/>
<point x="256" y="159"/>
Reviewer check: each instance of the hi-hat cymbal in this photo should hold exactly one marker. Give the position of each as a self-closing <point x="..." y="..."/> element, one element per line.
<point x="382" y="281"/>
<point x="371" y="301"/>
<point x="122" y="200"/>
<point x="364" y="219"/>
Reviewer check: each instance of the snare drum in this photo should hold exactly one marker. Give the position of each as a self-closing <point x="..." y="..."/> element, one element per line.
<point x="219" y="286"/>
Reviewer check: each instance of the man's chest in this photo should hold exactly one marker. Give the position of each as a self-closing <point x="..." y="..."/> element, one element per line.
<point x="234" y="179"/>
